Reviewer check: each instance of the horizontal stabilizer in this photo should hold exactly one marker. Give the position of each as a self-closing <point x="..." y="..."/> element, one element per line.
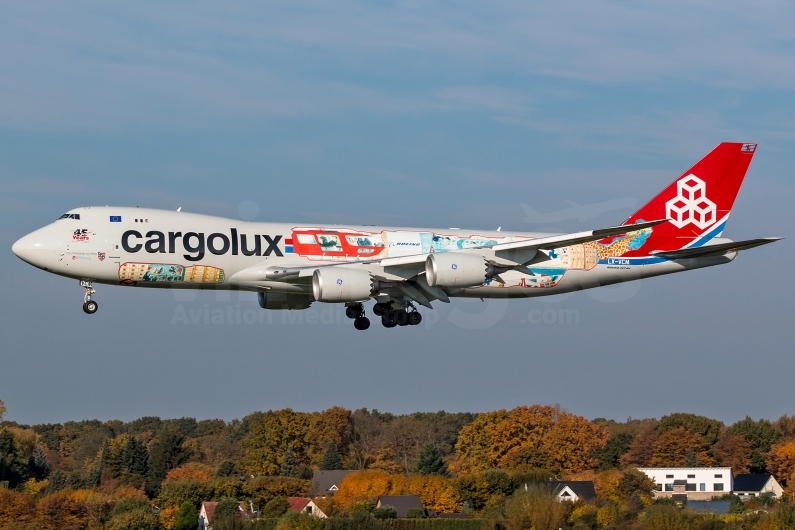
<point x="714" y="250"/>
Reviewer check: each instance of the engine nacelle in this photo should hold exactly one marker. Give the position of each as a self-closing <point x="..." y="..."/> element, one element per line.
<point x="455" y="269"/>
<point x="283" y="301"/>
<point x="341" y="284"/>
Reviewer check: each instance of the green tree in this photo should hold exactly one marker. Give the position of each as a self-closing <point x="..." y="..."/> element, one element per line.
<point x="188" y="517"/>
<point x="691" y="460"/>
<point x="134" y="457"/>
<point x="13" y="464"/>
<point x="430" y="461"/>
<point x="608" y="457"/>
<point x="226" y="468"/>
<point x="707" y="428"/>
<point x="167" y="453"/>
<point x="289" y="465"/>
<point x="762" y="434"/>
<point x="56" y="482"/>
<point x="385" y="512"/>
<point x="634" y="481"/>
<point x="275" y="508"/>
<point x="331" y="459"/>
<point x="2" y="410"/>
<point x="141" y="519"/>
<point x="38" y="464"/>
<point x="227" y="515"/>
<point x="178" y="492"/>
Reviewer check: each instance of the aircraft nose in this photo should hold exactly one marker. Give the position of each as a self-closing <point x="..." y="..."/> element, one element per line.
<point x="33" y="249"/>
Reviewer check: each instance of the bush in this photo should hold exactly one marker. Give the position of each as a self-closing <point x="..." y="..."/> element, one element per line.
<point x="129" y="505"/>
<point x="140" y="519"/>
<point x="177" y="492"/>
<point x="385" y="512"/>
<point x="668" y="518"/>
<point x="188" y="517"/>
<point x="537" y="508"/>
<point x="275" y="508"/>
<point x="415" y="513"/>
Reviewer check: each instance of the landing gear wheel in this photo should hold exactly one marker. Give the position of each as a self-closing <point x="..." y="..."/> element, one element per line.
<point x="354" y="311"/>
<point x="380" y="309"/>
<point x="414" y="318"/>
<point x="401" y="317"/>
<point x="90" y="307"/>
<point x="361" y="323"/>
<point x="388" y="321"/>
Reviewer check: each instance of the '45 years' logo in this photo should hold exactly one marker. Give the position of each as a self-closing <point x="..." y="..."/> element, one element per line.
<point x="81" y="234"/>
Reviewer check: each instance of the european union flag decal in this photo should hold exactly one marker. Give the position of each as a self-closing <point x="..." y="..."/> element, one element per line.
<point x="115" y="218"/>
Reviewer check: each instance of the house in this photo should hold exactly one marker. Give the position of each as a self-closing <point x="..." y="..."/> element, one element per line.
<point x="753" y="485"/>
<point x="306" y="505"/>
<point x="401" y="503"/>
<point x="691" y="483"/>
<point x="569" y="490"/>
<point x="207" y="511"/>
<point x="327" y="482"/>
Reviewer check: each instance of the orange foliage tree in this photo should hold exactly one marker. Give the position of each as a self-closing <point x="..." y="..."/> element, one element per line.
<point x="368" y="485"/>
<point x="672" y="447"/>
<point x="734" y="451"/>
<point x="15" y="508"/>
<point x="194" y="470"/>
<point x="436" y="492"/>
<point x="781" y="461"/>
<point x="526" y="438"/>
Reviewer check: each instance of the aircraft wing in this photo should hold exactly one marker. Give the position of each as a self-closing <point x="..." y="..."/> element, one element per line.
<point x="547" y="243"/>
<point x="714" y="250"/>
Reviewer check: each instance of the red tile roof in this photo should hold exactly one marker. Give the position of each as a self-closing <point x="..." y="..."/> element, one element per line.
<point x="298" y="503"/>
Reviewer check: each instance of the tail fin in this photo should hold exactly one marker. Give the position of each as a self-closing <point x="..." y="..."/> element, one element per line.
<point x="699" y="202"/>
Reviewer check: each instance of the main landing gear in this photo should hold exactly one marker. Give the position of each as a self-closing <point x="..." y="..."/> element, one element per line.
<point x="356" y="313"/>
<point x="89" y="305"/>
<point x="397" y="317"/>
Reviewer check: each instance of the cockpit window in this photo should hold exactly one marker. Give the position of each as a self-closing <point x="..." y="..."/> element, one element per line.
<point x="70" y="216"/>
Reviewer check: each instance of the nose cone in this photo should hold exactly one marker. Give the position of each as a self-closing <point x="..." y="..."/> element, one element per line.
<point x="33" y="249"/>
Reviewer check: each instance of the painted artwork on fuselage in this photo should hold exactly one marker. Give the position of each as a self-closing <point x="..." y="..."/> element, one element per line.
<point x="163" y="272"/>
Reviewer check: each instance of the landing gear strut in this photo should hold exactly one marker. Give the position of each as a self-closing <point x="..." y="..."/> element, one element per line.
<point x="356" y="313"/>
<point x="89" y="305"/>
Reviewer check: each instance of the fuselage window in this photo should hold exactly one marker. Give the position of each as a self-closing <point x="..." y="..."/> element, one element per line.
<point x="306" y="239"/>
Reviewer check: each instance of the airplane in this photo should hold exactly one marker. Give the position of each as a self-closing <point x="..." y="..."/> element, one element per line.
<point x="291" y="266"/>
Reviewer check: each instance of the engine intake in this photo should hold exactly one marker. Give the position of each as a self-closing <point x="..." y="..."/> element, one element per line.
<point x="283" y="301"/>
<point x="341" y="284"/>
<point x="456" y="269"/>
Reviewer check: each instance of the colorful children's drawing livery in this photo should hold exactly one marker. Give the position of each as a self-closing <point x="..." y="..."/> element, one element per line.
<point x="291" y="266"/>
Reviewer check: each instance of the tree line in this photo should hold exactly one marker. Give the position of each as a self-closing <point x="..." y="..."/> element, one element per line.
<point x="456" y="462"/>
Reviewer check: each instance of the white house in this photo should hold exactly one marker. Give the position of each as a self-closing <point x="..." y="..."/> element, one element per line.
<point x="754" y="485"/>
<point x="696" y="483"/>
<point x="305" y="505"/>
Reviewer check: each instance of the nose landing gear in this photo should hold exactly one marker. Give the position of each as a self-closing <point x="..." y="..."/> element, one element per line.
<point x="356" y="313"/>
<point x="89" y="305"/>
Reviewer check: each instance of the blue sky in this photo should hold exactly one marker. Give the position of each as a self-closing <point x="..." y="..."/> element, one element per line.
<point x="408" y="114"/>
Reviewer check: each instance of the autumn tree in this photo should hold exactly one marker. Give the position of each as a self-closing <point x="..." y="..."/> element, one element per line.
<point x="570" y="443"/>
<point x="270" y="434"/>
<point x="430" y="461"/>
<point x="641" y="449"/>
<point x="762" y="435"/>
<point x="436" y="492"/>
<point x="368" y="485"/>
<point x="609" y="456"/>
<point x="709" y="429"/>
<point x="734" y="451"/>
<point x="331" y="459"/>
<point x="781" y="461"/>
<point x="786" y="425"/>
<point x="672" y="447"/>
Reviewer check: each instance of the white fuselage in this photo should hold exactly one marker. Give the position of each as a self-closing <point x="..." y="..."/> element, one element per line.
<point x="157" y="248"/>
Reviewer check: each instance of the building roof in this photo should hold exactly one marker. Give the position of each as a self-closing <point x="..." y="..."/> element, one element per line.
<point x="209" y="508"/>
<point x="751" y="481"/>
<point x="401" y="503"/>
<point x="327" y="482"/>
<point x="680" y="482"/>
<point x="298" y="503"/>
<point x="582" y="488"/>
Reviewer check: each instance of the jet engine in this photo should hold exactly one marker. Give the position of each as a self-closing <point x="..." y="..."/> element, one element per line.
<point x="455" y="269"/>
<point x="341" y="284"/>
<point x="283" y="301"/>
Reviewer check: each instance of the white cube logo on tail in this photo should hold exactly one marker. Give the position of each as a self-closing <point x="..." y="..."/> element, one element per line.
<point x="691" y="204"/>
